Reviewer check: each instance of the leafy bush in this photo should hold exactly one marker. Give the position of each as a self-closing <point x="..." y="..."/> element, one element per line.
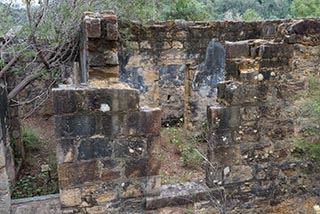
<point x="251" y="15"/>
<point x="40" y="184"/>
<point x="31" y="140"/>
<point x="301" y="8"/>
<point x="309" y="142"/>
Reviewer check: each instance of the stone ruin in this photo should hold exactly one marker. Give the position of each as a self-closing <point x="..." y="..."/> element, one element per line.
<point x="238" y="77"/>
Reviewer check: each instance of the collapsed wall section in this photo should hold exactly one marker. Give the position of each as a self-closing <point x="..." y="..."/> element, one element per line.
<point x="255" y="124"/>
<point x="155" y="59"/>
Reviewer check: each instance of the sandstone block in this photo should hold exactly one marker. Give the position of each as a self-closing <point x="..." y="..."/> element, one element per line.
<point x="116" y="99"/>
<point x="234" y="93"/>
<point x="305" y="27"/>
<point x="70" y="197"/>
<point x="111" y="57"/>
<point x="271" y="50"/>
<point x="150" y="121"/>
<point x="72" y="174"/>
<point x="92" y="27"/>
<point x="112" y="31"/>
<point x="147" y="121"/>
<point x="142" y="167"/>
<point x="95" y="148"/>
<point x="239" y="174"/>
<point x="133" y="189"/>
<point x="75" y="125"/>
<point x="220" y="117"/>
<point x="237" y="49"/>
<point x="130" y="147"/>
<point x="153" y="185"/>
<point x="64" y="101"/>
<point x="226" y="155"/>
<point x="66" y="150"/>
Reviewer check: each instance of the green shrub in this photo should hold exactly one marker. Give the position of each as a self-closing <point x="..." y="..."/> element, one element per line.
<point x="31" y="139"/>
<point x="309" y="141"/>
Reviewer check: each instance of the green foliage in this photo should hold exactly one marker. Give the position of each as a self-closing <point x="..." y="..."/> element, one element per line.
<point x="187" y="10"/>
<point x="30" y="186"/>
<point x="31" y="140"/>
<point x="251" y="15"/>
<point x="188" y="146"/>
<point x="309" y="142"/>
<point x="301" y="8"/>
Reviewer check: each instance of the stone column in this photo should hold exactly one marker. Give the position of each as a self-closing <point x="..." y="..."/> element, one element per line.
<point x="99" y="47"/>
<point x="107" y="150"/>
<point x="108" y="147"/>
<point x="5" y="199"/>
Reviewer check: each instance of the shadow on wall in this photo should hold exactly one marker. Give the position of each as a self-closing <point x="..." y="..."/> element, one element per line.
<point x="211" y="71"/>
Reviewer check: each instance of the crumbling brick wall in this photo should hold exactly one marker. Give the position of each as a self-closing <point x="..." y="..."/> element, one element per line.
<point x="156" y="57"/>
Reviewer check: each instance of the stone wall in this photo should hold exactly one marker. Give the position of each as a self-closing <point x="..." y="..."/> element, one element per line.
<point x="254" y="126"/>
<point x="176" y="65"/>
<point x="107" y="145"/>
<point x="5" y="201"/>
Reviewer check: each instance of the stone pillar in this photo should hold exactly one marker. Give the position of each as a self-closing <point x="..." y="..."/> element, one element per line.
<point x="5" y="199"/>
<point x="99" y="47"/>
<point x="108" y="147"/>
<point x="252" y="129"/>
<point x="107" y="150"/>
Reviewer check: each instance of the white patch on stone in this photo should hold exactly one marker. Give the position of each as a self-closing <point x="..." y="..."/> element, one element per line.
<point x="226" y="170"/>
<point x="260" y="77"/>
<point x="273" y="74"/>
<point x="104" y="107"/>
<point x="131" y="150"/>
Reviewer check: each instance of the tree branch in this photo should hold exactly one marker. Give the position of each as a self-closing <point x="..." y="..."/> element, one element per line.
<point x="23" y="84"/>
<point x="10" y="64"/>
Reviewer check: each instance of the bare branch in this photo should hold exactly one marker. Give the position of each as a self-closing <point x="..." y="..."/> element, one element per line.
<point x="10" y="64"/>
<point x="23" y="84"/>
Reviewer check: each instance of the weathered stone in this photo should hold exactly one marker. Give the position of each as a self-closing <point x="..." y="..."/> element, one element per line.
<point x="150" y="121"/>
<point x="118" y="100"/>
<point x="153" y="186"/>
<point x="71" y="174"/>
<point x="271" y="50"/>
<point x="239" y="174"/>
<point x="305" y="27"/>
<point x="112" y="31"/>
<point x="142" y="167"/>
<point x="95" y="148"/>
<point x="111" y="57"/>
<point x="130" y="147"/>
<point x="234" y="93"/>
<point x="237" y="49"/>
<point x="66" y="150"/>
<point x="65" y="101"/>
<point x="130" y="190"/>
<point x="70" y="197"/>
<point x="178" y="194"/>
<point x="223" y="154"/>
<point x="75" y="125"/>
<point x="211" y="72"/>
<point x="220" y="117"/>
<point x="92" y="27"/>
